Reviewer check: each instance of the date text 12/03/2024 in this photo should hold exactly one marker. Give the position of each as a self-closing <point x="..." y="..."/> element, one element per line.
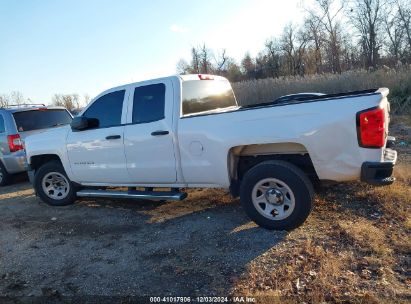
<point x="235" y="299"/>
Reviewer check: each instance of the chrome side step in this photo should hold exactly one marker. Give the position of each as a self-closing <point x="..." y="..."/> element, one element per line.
<point x="134" y="194"/>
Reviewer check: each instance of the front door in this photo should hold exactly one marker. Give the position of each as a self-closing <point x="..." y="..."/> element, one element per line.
<point x="97" y="155"/>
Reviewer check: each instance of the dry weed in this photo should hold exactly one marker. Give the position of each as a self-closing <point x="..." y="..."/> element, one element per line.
<point x="365" y="235"/>
<point x="267" y="90"/>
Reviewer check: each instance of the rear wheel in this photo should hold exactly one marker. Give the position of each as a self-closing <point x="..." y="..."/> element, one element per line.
<point x="53" y="186"/>
<point x="277" y="195"/>
<point x="5" y="177"/>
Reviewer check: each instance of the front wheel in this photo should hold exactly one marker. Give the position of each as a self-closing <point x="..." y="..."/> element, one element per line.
<point x="53" y="186"/>
<point x="277" y="195"/>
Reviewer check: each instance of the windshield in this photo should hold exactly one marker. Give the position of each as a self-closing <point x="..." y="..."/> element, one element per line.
<point x="206" y="95"/>
<point x="41" y="119"/>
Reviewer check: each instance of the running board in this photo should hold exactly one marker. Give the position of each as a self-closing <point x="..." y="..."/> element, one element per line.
<point x="135" y="194"/>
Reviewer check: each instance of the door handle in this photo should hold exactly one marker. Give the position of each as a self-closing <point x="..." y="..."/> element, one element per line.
<point x="157" y="133"/>
<point x="113" y="137"/>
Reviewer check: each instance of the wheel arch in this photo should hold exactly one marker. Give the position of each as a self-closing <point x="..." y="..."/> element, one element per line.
<point x="242" y="158"/>
<point x="36" y="161"/>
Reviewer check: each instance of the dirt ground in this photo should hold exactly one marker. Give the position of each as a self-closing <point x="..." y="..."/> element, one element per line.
<point x="125" y="247"/>
<point x="206" y="246"/>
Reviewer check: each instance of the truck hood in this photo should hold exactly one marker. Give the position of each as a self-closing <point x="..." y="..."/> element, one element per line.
<point x="44" y="134"/>
<point x="25" y="134"/>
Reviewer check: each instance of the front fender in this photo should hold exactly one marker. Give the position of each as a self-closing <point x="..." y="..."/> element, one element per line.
<point x="51" y="142"/>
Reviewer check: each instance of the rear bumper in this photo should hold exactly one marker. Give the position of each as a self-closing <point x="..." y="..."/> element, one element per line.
<point x="15" y="162"/>
<point x="379" y="173"/>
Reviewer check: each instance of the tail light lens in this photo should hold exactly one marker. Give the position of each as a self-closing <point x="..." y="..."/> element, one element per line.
<point x="15" y="143"/>
<point x="371" y="128"/>
<point x="205" y="77"/>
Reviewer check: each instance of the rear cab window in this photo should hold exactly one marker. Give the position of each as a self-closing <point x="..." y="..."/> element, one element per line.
<point x="41" y="119"/>
<point x="207" y="97"/>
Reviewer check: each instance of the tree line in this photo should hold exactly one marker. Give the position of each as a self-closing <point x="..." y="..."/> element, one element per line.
<point x="73" y="102"/>
<point x="335" y="36"/>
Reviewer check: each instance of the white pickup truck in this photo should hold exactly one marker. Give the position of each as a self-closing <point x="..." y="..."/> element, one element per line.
<point x="188" y="131"/>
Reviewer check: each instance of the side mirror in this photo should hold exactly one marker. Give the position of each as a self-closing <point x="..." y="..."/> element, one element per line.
<point x="80" y="123"/>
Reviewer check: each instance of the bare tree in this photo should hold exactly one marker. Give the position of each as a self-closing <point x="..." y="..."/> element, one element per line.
<point x="4" y="101"/>
<point x="260" y="66"/>
<point x="57" y="100"/>
<point x="404" y="16"/>
<point x="16" y="98"/>
<point x="273" y="53"/>
<point x="367" y="17"/>
<point x="325" y="42"/>
<point x="205" y="59"/>
<point x="302" y="39"/>
<point x="195" y="60"/>
<point x="200" y="61"/>
<point x="234" y="71"/>
<point x="183" y="67"/>
<point x="326" y="13"/>
<point x="315" y="36"/>
<point x="86" y="99"/>
<point x="394" y="32"/>
<point x="248" y="66"/>
<point x="221" y="61"/>
<point x="287" y="45"/>
<point x="294" y="44"/>
<point x="69" y="101"/>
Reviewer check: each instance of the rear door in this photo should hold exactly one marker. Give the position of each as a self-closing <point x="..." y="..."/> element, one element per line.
<point x="97" y="155"/>
<point x="148" y="139"/>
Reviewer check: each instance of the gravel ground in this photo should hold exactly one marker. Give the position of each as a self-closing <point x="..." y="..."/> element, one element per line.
<point x="118" y="248"/>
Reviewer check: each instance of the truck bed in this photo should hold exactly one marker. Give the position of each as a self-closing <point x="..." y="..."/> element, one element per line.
<point x="303" y="99"/>
<point x="324" y="127"/>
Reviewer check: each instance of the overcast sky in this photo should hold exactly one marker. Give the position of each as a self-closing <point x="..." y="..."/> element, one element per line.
<point x="78" y="46"/>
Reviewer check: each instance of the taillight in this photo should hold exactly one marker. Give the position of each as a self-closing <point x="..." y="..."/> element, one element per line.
<point x="371" y="128"/>
<point x="15" y="143"/>
<point x="205" y="77"/>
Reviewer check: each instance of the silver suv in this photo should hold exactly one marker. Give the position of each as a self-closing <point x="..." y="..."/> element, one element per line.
<point x="18" y="122"/>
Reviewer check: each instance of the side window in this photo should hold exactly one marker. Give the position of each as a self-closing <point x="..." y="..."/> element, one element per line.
<point x="148" y="103"/>
<point x="107" y="109"/>
<point x="2" y="127"/>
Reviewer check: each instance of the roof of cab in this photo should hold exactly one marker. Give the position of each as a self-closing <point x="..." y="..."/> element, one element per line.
<point x="197" y="77"/>
<point x="187" y="77"/>
<point x="182" y="77"/>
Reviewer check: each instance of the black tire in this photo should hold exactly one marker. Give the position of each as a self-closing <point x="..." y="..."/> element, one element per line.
<point x="53" y="166"/>
<point x="291" y="176"/>
<point x="5" y="177"/>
